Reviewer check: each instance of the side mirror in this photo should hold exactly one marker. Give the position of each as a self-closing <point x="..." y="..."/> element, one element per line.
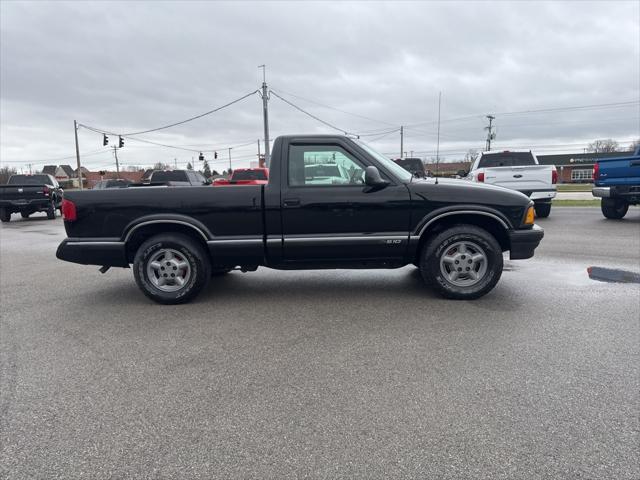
<point x="462" y="173"/>
<point x="373" y="179"/>
<point x="207" y="181"/>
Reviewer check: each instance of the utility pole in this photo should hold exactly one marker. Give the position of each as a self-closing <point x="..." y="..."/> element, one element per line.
<point x="75" y="131"/>
<point x="490" y="134"/>
<point x="175" y="163"/>
<point x="115" y="154"/>
<point x="401" y="140"/>
<point x="230" y="159"/>
<point x="265" y="114"/>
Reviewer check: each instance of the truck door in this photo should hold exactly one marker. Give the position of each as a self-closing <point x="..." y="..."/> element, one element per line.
<point x="327" y="212"/>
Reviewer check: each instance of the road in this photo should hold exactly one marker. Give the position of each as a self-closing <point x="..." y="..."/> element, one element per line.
<point x="324" y="374"/>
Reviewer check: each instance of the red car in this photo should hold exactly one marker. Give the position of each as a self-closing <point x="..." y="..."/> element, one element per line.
<point x="245" y="176"/>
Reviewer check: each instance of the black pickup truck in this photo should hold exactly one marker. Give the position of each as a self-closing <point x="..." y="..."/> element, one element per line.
<point x="373" y="214"/>
<point x="28" y="194"/>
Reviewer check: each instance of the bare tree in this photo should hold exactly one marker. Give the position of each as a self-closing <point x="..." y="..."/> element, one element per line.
<point x="134" y="168"/>
<point x="603" y="146"/>
<point x="5" y="173"/>
<point x="471" y="155"/>
<point x="634" y="145"/>
<point x="189" y="166"/>
<point x="161" y="166"/>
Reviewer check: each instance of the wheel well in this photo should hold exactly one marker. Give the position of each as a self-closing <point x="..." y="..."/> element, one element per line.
<point x="141" y="234"/>
<point x="490" y="224"/>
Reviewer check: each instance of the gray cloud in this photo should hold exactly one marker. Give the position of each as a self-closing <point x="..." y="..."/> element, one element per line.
<point x="127" y="66"/>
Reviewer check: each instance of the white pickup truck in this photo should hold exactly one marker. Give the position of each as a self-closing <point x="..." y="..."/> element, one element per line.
<point x="518" y="170"/>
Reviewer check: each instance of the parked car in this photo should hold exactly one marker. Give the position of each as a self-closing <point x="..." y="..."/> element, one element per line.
<point x="415" y="166"/>
<point x="520" y="171"/>
<point x="245" y="176"/>
<point x="28" y="194"/>
<point x="178" y="178"/>
<point x="113" y="183"/>
<point x="455" y="232"/>
<point x="617" y="182"/>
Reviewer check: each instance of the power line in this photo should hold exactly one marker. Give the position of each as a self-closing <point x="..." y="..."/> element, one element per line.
<point x="96" y="152"/>
<point x="172" y="124"/>
<point x="337" y="109"/>
<point x="310" y="114"/>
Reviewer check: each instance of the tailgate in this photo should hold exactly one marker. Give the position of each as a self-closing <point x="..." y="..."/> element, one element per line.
<point x="620" y="171"/>
<point x="21" y="192"/>
<point x="524" y="178"/>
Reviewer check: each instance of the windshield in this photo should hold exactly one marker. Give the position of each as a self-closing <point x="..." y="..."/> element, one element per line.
<point x="249" y="175"/>
<point x="169" y="176"/>
<point x="29" y="180"/>
<point x="399" y="172"/>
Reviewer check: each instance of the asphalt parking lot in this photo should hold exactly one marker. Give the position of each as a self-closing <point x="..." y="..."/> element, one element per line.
<point x="324" y="374"/>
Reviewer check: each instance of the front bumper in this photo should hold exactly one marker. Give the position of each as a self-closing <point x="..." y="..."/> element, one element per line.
<point x="524" y="242"/>
<point x="88" y="251"/>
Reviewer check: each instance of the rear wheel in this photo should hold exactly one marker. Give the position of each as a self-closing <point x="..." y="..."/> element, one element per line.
<point x="5" y="215"/>
<point x="171" y="268"/>
<point x="542" y="209"/>
<point x="51" y="211"/>
<point x="463" y="262"/>
<point x="614" y="208"/>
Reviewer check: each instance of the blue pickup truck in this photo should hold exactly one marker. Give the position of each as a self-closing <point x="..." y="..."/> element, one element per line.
<point x="617" y="182"/>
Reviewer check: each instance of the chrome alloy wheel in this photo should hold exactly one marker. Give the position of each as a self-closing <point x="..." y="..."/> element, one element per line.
<point x="463" y="264"/>
<point x="168" y="270"/>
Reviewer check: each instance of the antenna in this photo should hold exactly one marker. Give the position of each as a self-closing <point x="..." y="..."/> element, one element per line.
<point x="438" y="142"/>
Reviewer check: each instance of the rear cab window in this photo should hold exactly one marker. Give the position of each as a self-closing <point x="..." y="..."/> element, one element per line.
<point x="29" y="180"/>
<point x="506" y="159"/>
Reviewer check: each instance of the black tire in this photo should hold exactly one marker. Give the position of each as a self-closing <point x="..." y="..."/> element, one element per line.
<point x="614" y="208"/>
<point x="25" y="214"/>
<point x="187" y="250"/>
<point x="5" y="215"/>
<point x="542" y="209"/>
<point x="51" y="211"/>
<point x="444" y="244"/>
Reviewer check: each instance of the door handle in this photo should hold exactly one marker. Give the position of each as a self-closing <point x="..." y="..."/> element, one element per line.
<point x="635" y="163"/>
<point x="291" y="202"/>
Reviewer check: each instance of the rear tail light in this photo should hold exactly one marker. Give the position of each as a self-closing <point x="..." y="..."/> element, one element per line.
<point x="46" y="190"/>
<point x="554" y="176"/>
<point x="480" y="177"/>
<point x="69" y="211"/>
<point x="596" y="171"/>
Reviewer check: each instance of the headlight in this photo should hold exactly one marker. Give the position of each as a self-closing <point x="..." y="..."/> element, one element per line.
<point x="530" y="216"/>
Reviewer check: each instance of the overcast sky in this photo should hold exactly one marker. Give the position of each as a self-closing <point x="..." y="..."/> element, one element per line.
<point x="125" y="67"/>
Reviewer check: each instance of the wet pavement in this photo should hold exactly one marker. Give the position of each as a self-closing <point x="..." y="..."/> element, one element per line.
<point x="324" y="374"/>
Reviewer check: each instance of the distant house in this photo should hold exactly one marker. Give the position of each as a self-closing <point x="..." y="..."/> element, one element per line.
<point x="84" y="171"/>
<point x="576" y="167"/>
<point x="67" y="170"/>
<point x="91" y="178"/>
<point x="50" y="170"/>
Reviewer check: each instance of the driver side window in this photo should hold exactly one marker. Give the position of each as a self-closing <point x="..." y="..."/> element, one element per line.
<point x="323" y="165"/>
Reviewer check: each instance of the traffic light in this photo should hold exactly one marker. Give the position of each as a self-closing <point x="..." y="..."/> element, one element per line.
<point x="215" y="155"/>
<point x="105" y="140"/>
<point x="201" y="157"/>
<point x="121" y="142"/>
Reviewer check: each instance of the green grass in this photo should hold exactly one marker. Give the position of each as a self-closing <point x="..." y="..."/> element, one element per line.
<point x="576" y="203"/>
<point x="575" y="187"/>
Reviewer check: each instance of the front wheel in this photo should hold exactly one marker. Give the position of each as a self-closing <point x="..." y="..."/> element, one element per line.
<point x="5" y="215"/>
<point x="171" y="268"/>
<point x="614" y="208"/>
<point x="463" y="262"/>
